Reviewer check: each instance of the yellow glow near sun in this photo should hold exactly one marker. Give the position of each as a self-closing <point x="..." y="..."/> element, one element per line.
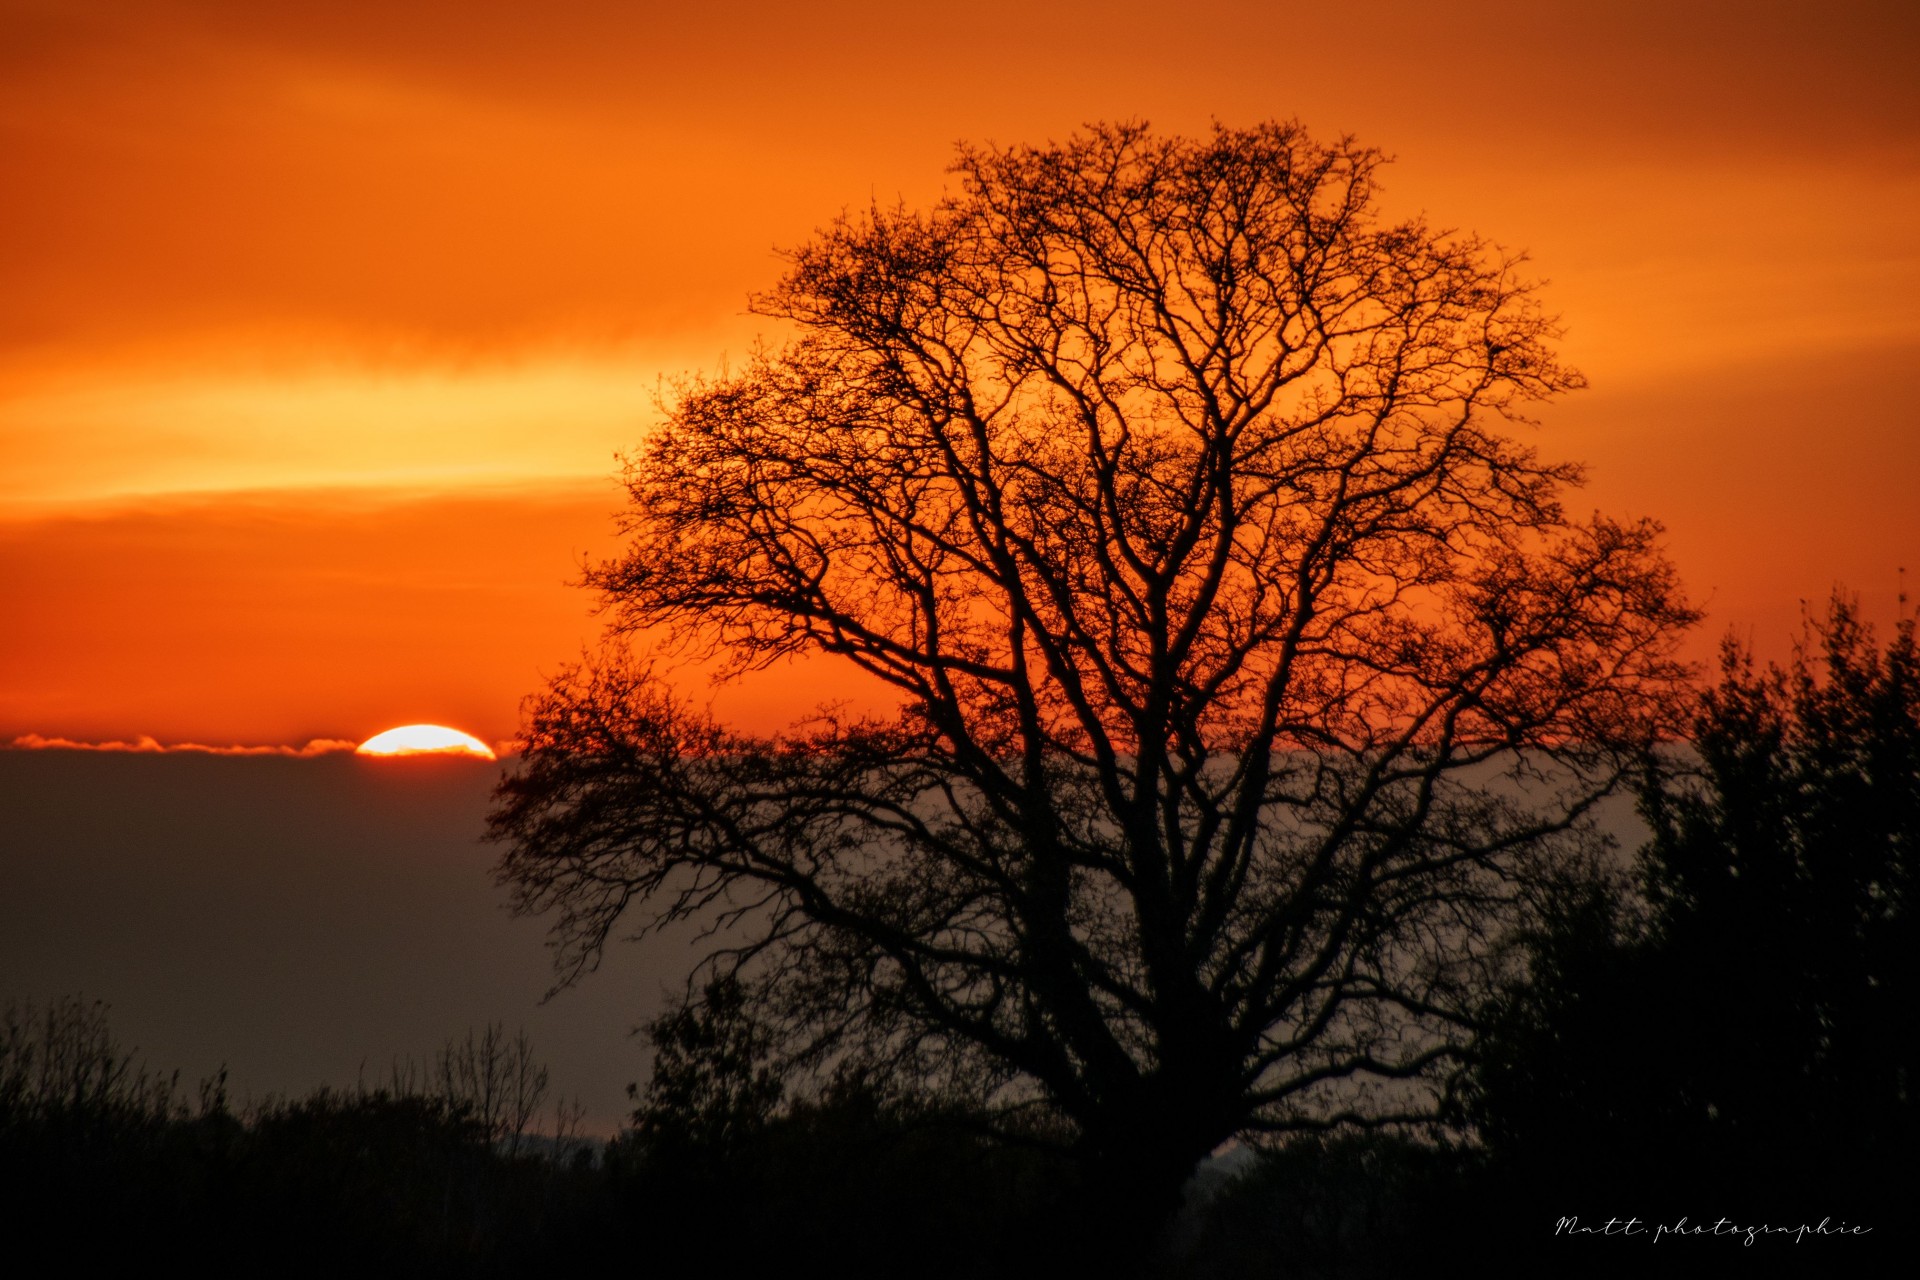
<point x="190" y="431"/>
<point x="424" y="739"/>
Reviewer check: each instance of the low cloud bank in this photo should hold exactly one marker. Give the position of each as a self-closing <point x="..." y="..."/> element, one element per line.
<point x="145" y="745"/>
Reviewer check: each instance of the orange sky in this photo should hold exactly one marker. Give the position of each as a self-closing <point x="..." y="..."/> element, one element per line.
<point x="321" y="324"/>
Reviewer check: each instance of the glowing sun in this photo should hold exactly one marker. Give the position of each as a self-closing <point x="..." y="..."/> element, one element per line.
<point x="423" y="740"/>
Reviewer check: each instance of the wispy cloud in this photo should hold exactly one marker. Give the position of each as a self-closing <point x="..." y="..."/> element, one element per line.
<point x="144" y="745"/>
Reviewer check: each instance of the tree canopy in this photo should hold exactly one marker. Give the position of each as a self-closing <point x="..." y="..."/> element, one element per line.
<point x="1246" y="657"/>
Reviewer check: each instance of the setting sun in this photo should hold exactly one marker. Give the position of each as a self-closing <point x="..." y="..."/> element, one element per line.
<point x="424" y="739"/>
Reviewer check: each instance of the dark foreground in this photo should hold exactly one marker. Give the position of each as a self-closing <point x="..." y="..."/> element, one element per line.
<point x="388" y="1181"/>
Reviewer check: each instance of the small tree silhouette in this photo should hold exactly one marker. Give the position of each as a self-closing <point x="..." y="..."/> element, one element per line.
<point x="64" y="1060"/>
<point x="714" y="1082"/>
<point x="495" y="1080"/>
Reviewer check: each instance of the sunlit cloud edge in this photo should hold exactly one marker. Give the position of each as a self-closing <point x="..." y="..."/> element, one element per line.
<point x="145" y="745"/>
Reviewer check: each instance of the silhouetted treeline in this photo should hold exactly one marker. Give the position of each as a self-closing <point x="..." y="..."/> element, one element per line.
<point x="861" y="1180"/>
<point x="105" y="1161"/>
<point x="1723" y="1031"/>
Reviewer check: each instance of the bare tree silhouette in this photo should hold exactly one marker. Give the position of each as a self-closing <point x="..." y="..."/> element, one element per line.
<point x="496" y="1081"/>
<point x="1246" y="660"/>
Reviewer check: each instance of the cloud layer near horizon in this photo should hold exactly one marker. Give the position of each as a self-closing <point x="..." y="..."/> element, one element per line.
<point x="145" y="745"/>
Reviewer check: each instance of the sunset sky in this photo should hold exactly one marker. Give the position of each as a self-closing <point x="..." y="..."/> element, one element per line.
<point x="321" y="324"/>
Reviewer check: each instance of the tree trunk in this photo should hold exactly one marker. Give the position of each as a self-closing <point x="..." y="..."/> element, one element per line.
<point x="1133" y="1175"/>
